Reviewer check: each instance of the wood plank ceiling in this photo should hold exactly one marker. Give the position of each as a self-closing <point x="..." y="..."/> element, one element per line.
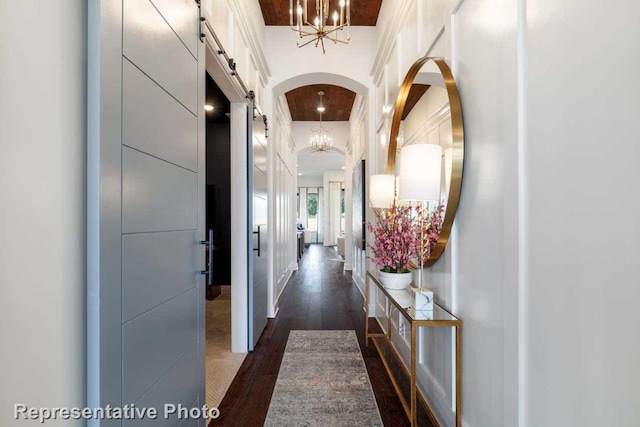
<point x="304" y="100"/>
<point x="363" y="12"/>
<point x="415" y="93"/>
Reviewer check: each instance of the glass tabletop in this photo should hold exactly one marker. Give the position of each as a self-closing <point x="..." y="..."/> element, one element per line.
<point x="403" y="300"/>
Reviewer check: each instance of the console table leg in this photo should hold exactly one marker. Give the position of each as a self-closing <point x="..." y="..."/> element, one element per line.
<point x="459" y="376"/>
<point x="366" y="311"/>
<point x="414" y="391"/>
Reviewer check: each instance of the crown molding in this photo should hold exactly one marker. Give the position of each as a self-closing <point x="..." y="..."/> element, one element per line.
<point x="398" y="19"/>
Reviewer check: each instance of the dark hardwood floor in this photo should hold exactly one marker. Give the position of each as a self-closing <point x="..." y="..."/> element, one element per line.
<point x="320" y="295"/>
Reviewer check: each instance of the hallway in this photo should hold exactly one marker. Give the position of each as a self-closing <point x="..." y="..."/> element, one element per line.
<point x="319" y="296"/>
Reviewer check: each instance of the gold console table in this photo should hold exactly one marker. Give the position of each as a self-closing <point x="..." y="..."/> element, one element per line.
<point x="437" y="318"/>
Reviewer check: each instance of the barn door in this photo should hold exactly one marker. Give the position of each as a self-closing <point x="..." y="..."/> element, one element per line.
<point x="259" y="268"/>
<point x="146" y="207"/>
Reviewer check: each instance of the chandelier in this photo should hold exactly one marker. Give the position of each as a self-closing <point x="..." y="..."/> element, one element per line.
<point x="320" y="29"/>
<point x="320" y="138"/>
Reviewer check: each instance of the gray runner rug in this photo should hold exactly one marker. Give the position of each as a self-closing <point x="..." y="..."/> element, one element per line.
<point x="323" y="381"/>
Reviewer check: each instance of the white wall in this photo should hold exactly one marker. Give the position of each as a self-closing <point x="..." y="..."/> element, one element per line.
<point x="477" y="276"/>
<point x="310" y="181"/>
<point x="283" y="253"/>
<point x="582" y="152"/>
<point x="42" y="213"/>
<point x="286" y="60"/>
<point x="533" y="267"/>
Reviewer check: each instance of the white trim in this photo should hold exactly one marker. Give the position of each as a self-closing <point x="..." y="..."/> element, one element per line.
<point x="523" y="225"/>
<point x="275" y="306"/>
<point x="239" y="227"/>
<point x="435" y="40"/>
<point x="387" y="38"/>
<point x="218" y="69"/>
<point x="348" y="266"/>
<point x="248" y="32"/>
<point x="439" y="117"/>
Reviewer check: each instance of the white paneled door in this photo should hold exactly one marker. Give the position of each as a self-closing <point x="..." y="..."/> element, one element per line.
<point x="146" y="209"/>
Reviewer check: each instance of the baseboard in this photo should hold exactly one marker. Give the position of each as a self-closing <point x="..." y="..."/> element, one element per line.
<point x="357" y="280"/>
<point x="348" y="266"/>
<point x="272" y="310"/>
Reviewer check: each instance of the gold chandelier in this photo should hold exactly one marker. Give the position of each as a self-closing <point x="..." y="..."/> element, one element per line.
<point x="320" y="138"/>
<point x="319" y="29"/>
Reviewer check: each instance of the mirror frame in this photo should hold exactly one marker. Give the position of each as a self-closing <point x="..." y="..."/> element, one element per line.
<point x="457" y="158"/>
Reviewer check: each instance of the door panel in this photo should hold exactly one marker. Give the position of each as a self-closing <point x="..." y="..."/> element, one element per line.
<point x="145" y="316"/>
<point x="182" y="16"/>
<point x="176" y="387"/>
<point x="156" y="340"/>
<point x="155" y="123"/>
<point x="158" y="196"/>
<point x="258" y="290"/>
<point x="153" y="269"/>
<point x="151" y="45"/>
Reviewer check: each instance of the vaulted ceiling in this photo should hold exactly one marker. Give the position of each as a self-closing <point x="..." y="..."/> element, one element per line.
<point x="363" y="12"/>
<point x="304" y="100"/>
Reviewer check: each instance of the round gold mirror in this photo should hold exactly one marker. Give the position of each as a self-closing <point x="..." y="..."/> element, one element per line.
<point x="428" y="112"/>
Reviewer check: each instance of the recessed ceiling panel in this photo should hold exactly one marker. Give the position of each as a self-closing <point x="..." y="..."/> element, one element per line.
<point x="303" y="103"/>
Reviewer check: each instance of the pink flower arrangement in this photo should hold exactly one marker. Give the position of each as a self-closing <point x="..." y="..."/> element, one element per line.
<point x="427" y="231"/>
<point x="400" y="237"/>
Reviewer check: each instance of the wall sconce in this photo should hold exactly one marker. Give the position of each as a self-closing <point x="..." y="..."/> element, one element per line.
<point x="381" y="191"/>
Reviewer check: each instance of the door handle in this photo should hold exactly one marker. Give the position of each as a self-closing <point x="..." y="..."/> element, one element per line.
<point x="258" y="233"/>
<point x="209" y="270"/>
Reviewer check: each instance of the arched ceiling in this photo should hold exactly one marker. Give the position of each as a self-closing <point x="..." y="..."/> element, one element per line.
<point x="304" y="100"/>
<point x="363" y="12"/>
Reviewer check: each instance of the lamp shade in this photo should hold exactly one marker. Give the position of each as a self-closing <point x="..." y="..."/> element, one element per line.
<point x="420" y="172"/>
<point x="381" y="190"/>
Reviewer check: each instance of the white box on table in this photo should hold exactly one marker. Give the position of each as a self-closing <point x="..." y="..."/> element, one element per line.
<point x="422" y="299"/>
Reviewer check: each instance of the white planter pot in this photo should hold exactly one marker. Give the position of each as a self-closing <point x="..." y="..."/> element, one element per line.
<point x="395" y="280"/>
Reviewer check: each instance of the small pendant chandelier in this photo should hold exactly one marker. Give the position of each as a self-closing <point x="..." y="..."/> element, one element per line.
<point x="319" y="29"/>
<point x="320" y="138"/>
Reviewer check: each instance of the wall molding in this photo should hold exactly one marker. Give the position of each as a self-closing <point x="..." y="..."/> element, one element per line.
<point x="387" y="39"/>
<point x="242" y="14"/>
<point x="357" y="122"/>
<point x="436" y="39"/>
<point x="432" y="123"/>
<point x="274" y="307"/>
